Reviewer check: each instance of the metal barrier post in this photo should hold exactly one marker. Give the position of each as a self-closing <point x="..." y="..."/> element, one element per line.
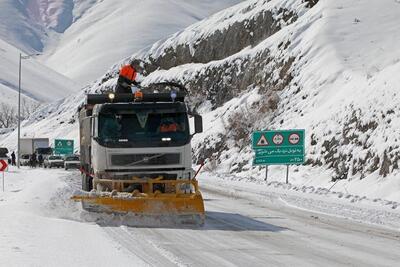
<point x="287" y="174"/>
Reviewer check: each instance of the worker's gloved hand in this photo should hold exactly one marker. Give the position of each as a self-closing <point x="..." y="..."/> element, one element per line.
<point x="135" y="83"/>
<point x="135" y="88"/>
<point x="139" y="78"/>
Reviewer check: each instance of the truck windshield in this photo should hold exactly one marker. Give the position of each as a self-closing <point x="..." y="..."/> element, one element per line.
<point x="143" y="127"/>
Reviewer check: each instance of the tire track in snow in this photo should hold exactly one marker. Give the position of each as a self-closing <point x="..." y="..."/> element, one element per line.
<point x="140" y="232"/>
<point x="138" y="243"/>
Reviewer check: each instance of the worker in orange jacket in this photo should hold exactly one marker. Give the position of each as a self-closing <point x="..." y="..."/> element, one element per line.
<point x="127" y="78"/>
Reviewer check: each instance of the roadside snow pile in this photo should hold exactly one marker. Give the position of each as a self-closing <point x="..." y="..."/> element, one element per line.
<point x="39" y="224"/>
<point x="331" y="193"/>
<point x="319" y="200"/>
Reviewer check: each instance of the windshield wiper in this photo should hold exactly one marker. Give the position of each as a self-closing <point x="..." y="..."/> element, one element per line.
<point x="145" y="159"/>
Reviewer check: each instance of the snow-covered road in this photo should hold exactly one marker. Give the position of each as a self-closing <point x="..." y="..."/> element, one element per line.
<point x="39" y="226"/>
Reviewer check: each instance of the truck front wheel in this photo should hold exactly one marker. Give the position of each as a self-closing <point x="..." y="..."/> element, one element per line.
<point x="87" y="184"/>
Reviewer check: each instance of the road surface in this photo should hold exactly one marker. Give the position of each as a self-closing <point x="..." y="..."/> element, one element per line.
<point x="39" y="225"/>
<point x="239" y="232"/>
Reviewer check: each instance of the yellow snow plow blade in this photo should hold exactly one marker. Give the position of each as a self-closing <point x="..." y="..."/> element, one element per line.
<point x="180" y="198"/>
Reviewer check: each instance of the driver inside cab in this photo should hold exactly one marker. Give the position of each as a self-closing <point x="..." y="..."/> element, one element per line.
<point x="168" y="125"/>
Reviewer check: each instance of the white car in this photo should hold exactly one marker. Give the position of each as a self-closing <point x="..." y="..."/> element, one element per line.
<point x="24" y="161"/>
<point x="53" y="161"/>
<point x="72" y="162"/>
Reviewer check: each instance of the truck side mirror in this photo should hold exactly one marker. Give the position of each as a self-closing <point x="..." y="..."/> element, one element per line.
<point x="198" y="123"/>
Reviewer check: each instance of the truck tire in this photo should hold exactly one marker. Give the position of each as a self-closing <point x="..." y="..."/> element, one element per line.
<point x="87" y="184"/>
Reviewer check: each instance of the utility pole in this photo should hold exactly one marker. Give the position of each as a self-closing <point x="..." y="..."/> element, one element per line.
<point x="21" y="57"/>
<point x="19" y="112"/>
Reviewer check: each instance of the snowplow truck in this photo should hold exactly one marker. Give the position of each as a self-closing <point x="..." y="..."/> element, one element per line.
<point x="136" y="155"/>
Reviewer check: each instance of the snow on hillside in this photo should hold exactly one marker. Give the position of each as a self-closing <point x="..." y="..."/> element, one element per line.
<point x="38" y="83"/>
<point x="330" y="69"/>
<point x="82" y="39"/>
<point x="100" y="37"/>
<point x="224" y="20"/>
<point x="17" y="29"/>
<point x="342" y="91"/>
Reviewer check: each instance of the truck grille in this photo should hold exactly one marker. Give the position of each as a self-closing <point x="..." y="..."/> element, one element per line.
<point x="145" y="159"/>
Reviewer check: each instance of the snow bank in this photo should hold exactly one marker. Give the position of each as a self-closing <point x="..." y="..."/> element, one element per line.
<point x="316" y="199"/>
<point x="40" y="224"/>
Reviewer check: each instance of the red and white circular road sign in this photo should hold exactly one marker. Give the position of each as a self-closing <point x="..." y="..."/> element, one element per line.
<point x="294" y="138"/>
<point x="278" y="139"/>
<point x="3" y="165"/>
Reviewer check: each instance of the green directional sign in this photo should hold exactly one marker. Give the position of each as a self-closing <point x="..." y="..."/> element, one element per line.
<point x="282" y="147"/>
<point x="63" y="147"/>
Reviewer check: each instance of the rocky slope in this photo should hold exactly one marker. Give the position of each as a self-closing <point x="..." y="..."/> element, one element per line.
<point x="326" y="67"/>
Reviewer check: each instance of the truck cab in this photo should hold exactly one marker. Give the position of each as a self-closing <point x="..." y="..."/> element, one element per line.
<point x="124" y="138"/>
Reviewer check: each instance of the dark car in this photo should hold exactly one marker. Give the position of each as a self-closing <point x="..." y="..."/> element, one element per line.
<point x="3" y="152"/>
<point x="44" y="151"/>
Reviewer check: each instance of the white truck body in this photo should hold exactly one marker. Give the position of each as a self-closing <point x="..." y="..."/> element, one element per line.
<point x="28" y="145"/>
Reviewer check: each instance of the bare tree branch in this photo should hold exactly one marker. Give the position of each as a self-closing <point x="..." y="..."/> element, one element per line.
<point x="8" y="116"/>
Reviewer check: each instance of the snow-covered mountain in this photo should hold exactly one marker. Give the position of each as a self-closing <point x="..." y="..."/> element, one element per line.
<point x="328" y="67"/>
<point x="83" y="38"/>
<point x="38" y="83"/>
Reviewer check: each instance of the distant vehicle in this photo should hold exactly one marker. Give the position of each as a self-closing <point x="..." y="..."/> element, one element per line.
<point x="72" y="162"/>
<point x="44" y="151"/>
<point x="24" y="161"/>
<point x="3" y="152"/>
<point x="29" y="145"/>
<point x="53" y="161"/>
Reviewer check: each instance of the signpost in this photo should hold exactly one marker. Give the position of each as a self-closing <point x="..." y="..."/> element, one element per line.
<point x="63" y="147"/>
<point x="280" y="147"/>
<point x="3" y="167"/>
